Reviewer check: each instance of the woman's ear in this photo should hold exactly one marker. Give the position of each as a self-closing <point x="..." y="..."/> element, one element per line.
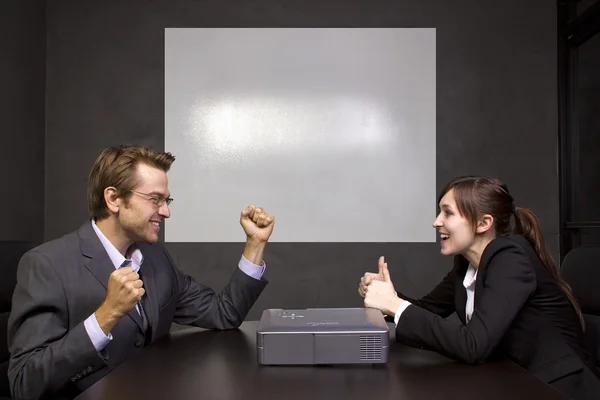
<point x="485" y="223"/>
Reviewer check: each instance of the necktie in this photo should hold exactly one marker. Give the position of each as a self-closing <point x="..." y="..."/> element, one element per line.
<point x="139" y="308"/>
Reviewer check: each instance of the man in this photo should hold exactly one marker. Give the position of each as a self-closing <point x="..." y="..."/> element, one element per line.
<point x="88" y="301"/>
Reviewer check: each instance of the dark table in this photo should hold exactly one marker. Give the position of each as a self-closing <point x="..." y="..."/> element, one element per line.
<point x="203" y="364"/>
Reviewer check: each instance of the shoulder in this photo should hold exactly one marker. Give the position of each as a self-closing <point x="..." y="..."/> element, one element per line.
<point x="509" y="257"/>
<point x="53" y="250"/>
<point x="515" y="245"/>
<point x="49" y="261"/>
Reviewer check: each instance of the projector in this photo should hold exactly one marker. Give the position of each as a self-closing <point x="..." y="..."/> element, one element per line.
<point x="322" y="336"/>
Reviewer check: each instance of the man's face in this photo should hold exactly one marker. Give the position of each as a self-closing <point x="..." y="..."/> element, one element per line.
<point x="140" y="217"/>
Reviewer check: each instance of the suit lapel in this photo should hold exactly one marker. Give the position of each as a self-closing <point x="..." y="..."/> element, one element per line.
<point x="136" y="317"/>
<point x="149" y="300"/>
<point x="481" y="272"/>
<point x="96" y="260"/>
<point x="460" y="293"/>
<point x="489" y="252"/>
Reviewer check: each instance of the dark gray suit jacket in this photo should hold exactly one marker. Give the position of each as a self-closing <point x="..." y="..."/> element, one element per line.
<point x="62" y="282"/>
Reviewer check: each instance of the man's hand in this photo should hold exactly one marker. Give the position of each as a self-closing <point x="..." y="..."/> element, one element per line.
<point x="369" y="277"/>
<point x="124" y="292"/>
<point x="257" y="223"/>
<point x="380" y="293"/>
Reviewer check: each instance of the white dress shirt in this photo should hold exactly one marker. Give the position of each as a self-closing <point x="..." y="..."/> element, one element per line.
<point x="468" y="283"/>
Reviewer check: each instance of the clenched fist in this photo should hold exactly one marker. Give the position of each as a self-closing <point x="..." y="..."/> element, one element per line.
<point x="257" y="223"/>
<point x="123" y="293"/>
<point x="124" y="290"/>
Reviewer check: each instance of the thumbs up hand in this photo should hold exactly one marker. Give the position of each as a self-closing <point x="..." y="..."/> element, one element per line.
<point x="370" y="277"/>
<point x="380" y="292"/>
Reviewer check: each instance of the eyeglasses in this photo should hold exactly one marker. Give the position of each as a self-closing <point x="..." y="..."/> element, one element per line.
<point x="156" y="200"/>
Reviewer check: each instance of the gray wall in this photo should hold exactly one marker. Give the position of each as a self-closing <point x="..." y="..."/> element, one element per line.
<point x="22" y="79"/>
<point x="496" y="114"/>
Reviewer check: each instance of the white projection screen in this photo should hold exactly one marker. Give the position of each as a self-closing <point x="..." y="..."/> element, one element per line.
<point x="332" y="130"/>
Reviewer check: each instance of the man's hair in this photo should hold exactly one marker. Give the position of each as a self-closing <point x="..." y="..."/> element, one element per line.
<point x="117" y="167"/>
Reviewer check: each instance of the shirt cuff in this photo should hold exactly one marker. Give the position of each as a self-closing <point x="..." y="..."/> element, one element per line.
<point x="97" y="336"/>
<point x="400" y="310"/>
<point x="251" y="269"/>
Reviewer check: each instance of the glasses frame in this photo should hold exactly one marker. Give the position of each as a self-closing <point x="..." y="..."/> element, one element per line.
<point x="156" y="200"/>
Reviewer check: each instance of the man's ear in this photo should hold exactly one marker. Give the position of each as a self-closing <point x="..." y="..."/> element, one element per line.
<point x="485" y="223"/>
<point x="113" y="202"/>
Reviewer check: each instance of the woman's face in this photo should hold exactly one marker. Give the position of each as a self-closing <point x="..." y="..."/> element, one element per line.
<point x="456" y="232"/>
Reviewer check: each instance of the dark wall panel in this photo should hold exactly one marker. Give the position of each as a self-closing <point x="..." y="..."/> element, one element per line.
<point x="22" y="104"/>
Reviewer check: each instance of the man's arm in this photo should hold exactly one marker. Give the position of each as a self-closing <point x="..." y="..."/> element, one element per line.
<point x="253" y="251"/>
<point x="201" y="306"/>
<point x="45" y="353"/>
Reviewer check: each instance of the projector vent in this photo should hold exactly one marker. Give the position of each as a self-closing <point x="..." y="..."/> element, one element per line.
<point x="370" y="348"/>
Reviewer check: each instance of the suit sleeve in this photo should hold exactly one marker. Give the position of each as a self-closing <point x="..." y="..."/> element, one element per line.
<point x="45" y="354"/>
<point x="201" y="306"/>
<point x="509" y="281"/>
<point x="440" y="300"/>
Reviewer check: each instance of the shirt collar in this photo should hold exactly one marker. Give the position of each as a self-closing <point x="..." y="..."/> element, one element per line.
<point x="470" y="276"/>
<point x="135" y="259"/>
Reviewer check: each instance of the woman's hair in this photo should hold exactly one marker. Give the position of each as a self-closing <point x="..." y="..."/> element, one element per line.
<point x="476" y="196"/>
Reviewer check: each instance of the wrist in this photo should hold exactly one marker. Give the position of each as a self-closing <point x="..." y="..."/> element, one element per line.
<point x="107" y="317"/>
<point x="394" y="306"/>
<point x="109" y="312"/>
<point x="253" y="251"/>
<point x="254" y="242"/>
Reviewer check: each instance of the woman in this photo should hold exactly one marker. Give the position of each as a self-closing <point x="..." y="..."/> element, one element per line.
<point x="504" y="287"/>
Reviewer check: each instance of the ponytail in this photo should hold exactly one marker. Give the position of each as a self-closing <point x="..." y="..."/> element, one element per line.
<point x="527" y="225"/>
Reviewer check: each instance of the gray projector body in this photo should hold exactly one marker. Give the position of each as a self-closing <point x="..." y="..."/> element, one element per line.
<point x="322" y="336"/>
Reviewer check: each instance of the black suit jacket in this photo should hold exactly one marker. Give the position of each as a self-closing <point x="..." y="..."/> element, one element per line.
<point x="62" y="282"/>
<point x="520" y="313"/>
